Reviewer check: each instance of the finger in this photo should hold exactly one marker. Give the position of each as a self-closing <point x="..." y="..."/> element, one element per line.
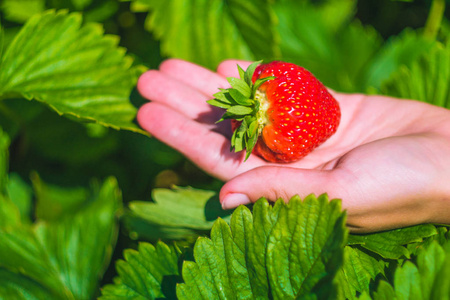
<point x="207" y="149"/>
<point x="228" y="68"/>
<point x="160" y="87"/>
<point x="206" y="81"/>
<point x="274" y="182"/>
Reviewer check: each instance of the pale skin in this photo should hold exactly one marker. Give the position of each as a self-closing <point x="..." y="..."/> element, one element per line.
<point x="389" y="160"/>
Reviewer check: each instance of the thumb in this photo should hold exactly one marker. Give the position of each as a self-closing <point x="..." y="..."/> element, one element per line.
<point x="279" y="182"/>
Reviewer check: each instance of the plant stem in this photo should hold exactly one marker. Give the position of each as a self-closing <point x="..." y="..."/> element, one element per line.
<point x="434" y="19"/>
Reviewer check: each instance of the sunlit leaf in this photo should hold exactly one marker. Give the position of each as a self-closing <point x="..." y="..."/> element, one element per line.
<point x="74" y="68"/>
<point x="335" y="55"/>
<point x="300" y="253"/>
<point x="426" y="79"/>
<point x="398" y="51"/>
<point x="180" y="208"/>
<point x="209" y="31"/>
<point x="391" y="244"/>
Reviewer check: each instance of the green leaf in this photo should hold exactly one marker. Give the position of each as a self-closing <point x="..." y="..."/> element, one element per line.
<point x="239" y="110"/>
<point x="21" y="194"/>
<point x="21" y="252"/>
<point x="247" y="77"/>
<point x="239" y="137"/>
<point x="4" y="160"/>
<point x="80" y="246"/>
<point x="390" y="244"/>
<point x="398" y="51"/>
<point x="21" y="10"/>
<point x="358" y="271"/>
<point x="142" y="273"/>
<point x="218" y="103"/>
<point x="65" y="257"/>
<point x="9" y="213"/>
<point x="56" y="202"/>
<point x="426" y="79"/>
<point x="180" y="208"/>
<point x="423" y="279"/>
<point x="209" y="31"/>
<point x="239" y="98"/>
<point x="305" y="246"/>
<point x="19" y="287"/>
<point x="74" y="68"/>
<point x="260" y="81"/>
<point x="292" y="250"/>
<point x="384" y="291"/>
<point x="241" y="86"/>
<point x="336" y="53"/>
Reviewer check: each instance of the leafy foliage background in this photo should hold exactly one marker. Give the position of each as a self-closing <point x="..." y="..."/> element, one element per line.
<point x="91" y="206"/>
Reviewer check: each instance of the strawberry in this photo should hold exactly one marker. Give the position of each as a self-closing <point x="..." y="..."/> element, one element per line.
<point x="279" y="111"/>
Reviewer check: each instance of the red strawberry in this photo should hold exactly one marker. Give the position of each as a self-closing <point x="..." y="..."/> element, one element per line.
<point x="282" y="111"/>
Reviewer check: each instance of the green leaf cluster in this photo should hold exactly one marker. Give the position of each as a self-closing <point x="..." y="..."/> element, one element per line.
<point x="301" y="249"/>
<point x="62" y="257"/>
<point x="285" y="251"/>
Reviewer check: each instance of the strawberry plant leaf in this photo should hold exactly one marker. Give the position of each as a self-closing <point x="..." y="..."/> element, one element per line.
<point x="73" y="68"/>
<point x="384" y="292"/>
<point x="142" y="272"/>
<point x="21" y="194"/>
<point x="293" y="250"/>
<point x="65" y="257"/>
<point x="4" y="158"/>
<point x="398" y="51"/>
<point x="180" y="208"/>
<point x="55" y="202"/>
<point x="426" y="79"/>
<point x="315" y="222"/>
<point x="337" y="56"/>
<point x="19" y="287"/>
<point x="21" y="10"/>
<point x="391" y="244"/>
<point x="423" y="279"/>
<point x="209" y="31"/>
<point x="358" y="271"/>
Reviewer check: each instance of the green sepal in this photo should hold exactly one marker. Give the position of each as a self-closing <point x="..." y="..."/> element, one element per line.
<point x="240" y="98"/>
<point x="241" y="105"/>
<point x="249" y="74"/>
<point x="240" y="110"/>
<point x="241" y="86"/>
<point x="241" y="72"/>
<point x="260" y="81"/>
<point x="218" y="103"/>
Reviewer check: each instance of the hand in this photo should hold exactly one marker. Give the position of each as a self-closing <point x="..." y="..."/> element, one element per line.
<point x="389" y="160"/>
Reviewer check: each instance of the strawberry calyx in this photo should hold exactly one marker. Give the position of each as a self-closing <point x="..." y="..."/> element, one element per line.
<point x="245" y="103"/>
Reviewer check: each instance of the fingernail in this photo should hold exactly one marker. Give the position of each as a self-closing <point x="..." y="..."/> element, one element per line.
<point x="234" y="200"/>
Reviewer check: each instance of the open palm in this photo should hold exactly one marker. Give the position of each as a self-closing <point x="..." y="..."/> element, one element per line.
<point x="389" y="160"/>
